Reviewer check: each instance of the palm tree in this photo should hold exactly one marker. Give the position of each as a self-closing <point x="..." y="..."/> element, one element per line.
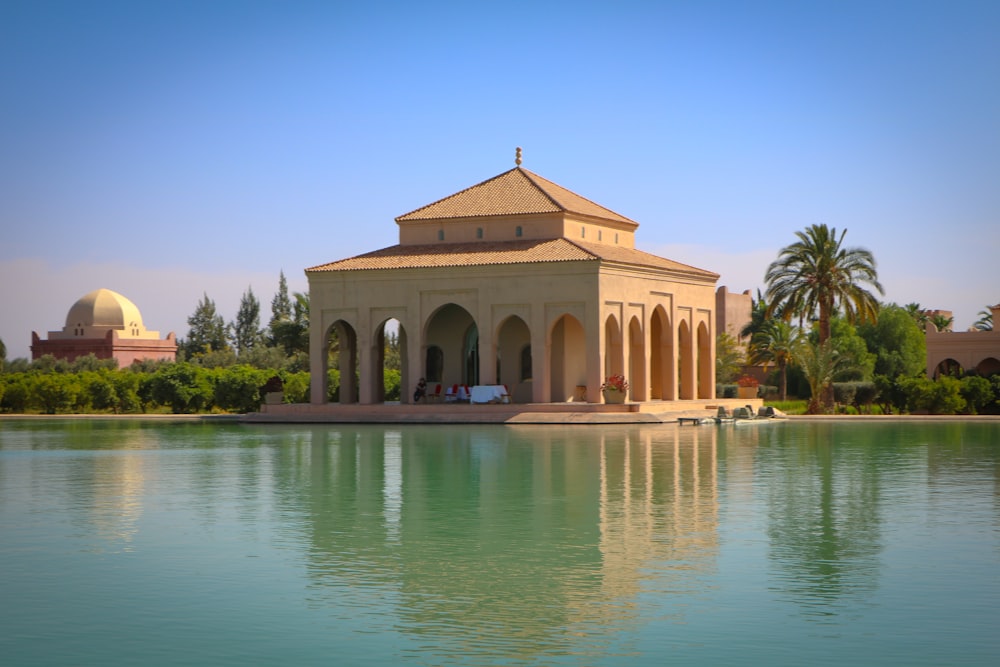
<point x="776" y="342"/>
<point x="941" y="322"/>
<point x="820" y="364"/>
<point x="816" y="274"/>
<point x="985" y="321"/>
<point x="918" y="314"/>
<point x="758" y="316"/>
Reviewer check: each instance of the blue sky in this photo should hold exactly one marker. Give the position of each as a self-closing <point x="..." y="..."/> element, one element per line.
<point x="170" y="149"/>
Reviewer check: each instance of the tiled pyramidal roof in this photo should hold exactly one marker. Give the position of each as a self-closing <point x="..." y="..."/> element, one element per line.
<point x="513" y="192"/>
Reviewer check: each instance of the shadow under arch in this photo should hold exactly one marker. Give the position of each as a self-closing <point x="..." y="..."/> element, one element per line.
<point x="513" y="354"/>
<point x="453" y="331"/>
<point x="637" y="360"/>
<point x="706" y="374"/>
<point x="950" y="367"/>
<point x="663" y="379"/>
<point x="614" y="349"/>
<point x="988" y="366"/>
<point x="685" y="360"/>
<point x="567" y="343"/>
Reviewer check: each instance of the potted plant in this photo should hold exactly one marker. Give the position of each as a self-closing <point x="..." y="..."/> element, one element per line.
<point x="614" y="389"/>
<point x="747" y="387"/>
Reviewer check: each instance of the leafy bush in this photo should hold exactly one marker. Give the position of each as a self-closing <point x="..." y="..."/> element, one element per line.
<point x="726" y="390"/>
<point x="977" y="392"/>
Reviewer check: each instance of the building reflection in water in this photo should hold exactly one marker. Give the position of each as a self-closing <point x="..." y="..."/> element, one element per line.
<point x="520" y="536"/>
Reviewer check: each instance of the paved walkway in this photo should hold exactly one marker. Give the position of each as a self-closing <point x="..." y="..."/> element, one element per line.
<point x="649" y="412"/>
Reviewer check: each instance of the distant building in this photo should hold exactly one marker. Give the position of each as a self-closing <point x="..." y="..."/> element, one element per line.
<point x="109" y="326"/>
<point x="949" y="352"/>
<point x="733" y="312"/>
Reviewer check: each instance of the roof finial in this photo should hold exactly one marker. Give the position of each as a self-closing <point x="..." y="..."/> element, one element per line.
<point x="517" y="156"/>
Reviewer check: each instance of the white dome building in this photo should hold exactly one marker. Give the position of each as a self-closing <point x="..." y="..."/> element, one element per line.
<point x="108" y="325"/>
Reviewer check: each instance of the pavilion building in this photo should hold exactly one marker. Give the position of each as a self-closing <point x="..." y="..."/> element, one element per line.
<point x="516" y="281"/>
<point x="109" y="326"/>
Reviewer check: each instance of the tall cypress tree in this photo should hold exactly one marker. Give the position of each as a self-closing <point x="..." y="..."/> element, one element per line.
<point x="245" y="329"/>
<point x="208" y="329"/>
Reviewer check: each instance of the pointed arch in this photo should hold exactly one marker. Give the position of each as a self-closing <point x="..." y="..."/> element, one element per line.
<point x="988" y="366"/>
<point x="637" y="361"/>
<point x="340" y="354"/>
<point x="685" y="361"/>
<point x="663" y="379"/>
<point x="513" y="343"/>
<point x="380" y="363"/>
<point x="614" y="350"/>
<point x="567" y="344"/>
<point x="948" y="366"/>
<point x="706" y="374"/>
<point x="452" y="330"/>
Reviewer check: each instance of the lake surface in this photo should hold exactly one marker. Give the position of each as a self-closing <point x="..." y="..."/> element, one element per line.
<point x="129" y="542"/>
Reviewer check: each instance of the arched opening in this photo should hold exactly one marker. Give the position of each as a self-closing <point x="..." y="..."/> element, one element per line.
<point x="451" y="346"/>
<point x="614" y="351"/>
<point x="637" y="360"/>
<point x="568" y="358"/>
<point x="661" y="357"/>
<point x="706" y="372"/>
<point x="389" y="361"/>
<point x="988" y="366"/>
<point x="513" y="350"/>
<point x="341" y="363"/>
<point x="685" y="361"/>
<point x="948" y="367"/>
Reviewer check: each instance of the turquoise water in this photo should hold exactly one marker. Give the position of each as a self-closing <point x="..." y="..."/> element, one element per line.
<point x="140" y="542"/>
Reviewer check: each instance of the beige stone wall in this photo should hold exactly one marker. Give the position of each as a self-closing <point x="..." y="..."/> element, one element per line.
<point x="972" y="350"/>
<point x="562" y="308"/>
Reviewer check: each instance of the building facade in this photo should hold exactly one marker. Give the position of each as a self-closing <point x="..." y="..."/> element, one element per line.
<point x="515" y="281"/>
<point x="949" y="352"/>
<point x="109" y="326"/>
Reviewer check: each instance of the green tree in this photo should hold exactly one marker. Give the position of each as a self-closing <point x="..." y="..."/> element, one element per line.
<point x="238" y="388"/>
<point x="729" y="358"/>
<point x="3" y="355"/>
<point x="820" y="364"/>
<point x="815" y="275"/>
<point x="937" y="397"/>
<point x="245" y="330"/>
<point x="208" y="329"/>
<point x="55" y="392"/>
<point x="182" y="386"/>
<point x="852" y="346"/>
<point x="281" y="305"/>
<point x="758" y="316"/>
<point x="897" y="341"/>
<point x="775" y="342"/>
<point x="977" y="392"/>
<point x="293" y="335"/>
<point x="918" y="314"/>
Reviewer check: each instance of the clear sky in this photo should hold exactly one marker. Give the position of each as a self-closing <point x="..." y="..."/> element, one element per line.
<point x="170" y="149"/>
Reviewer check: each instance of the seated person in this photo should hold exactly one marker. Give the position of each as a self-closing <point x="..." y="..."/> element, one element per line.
<point x="420" y="391"/>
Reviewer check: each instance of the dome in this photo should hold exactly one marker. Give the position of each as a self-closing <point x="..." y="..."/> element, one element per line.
<point x="105" y="309"/>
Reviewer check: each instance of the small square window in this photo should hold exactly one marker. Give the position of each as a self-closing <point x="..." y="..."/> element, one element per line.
<point x="440" y="235"/>
<point x="518" y="231"/>
<point x="479" y="233"/>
